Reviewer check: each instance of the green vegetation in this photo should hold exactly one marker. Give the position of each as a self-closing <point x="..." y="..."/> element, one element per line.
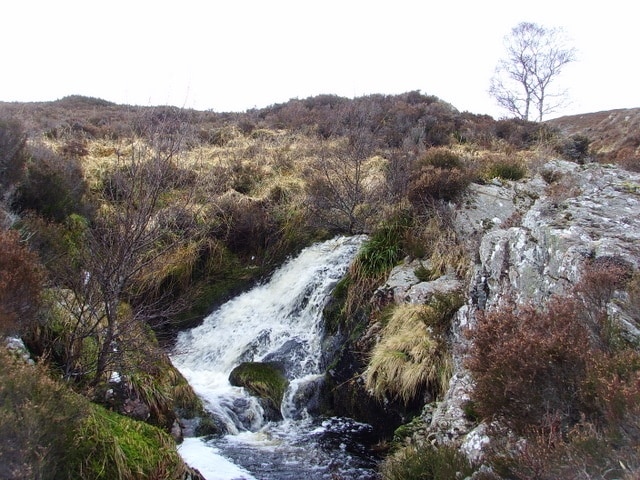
<point x="107" y="445"/>
<point x="50" y="432"/>
<point x="505" y="169"/>
<point x="264" y="380"/>
<point x="141" y="220"/>
<point x="427" y="463"/>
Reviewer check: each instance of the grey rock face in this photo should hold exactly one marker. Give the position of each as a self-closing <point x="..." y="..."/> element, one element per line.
<point x="530" y="240"/>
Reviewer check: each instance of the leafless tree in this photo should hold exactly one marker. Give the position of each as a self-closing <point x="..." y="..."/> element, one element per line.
<point x="535" y="57"/>
<point x="125" y="239"/>
<point x="345" y="182"/>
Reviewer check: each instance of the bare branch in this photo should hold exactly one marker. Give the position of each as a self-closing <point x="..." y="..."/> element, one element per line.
<point x="535" y="57"/>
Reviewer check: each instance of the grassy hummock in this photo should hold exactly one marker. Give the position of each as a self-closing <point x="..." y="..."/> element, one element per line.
<point x="264" y="380"/>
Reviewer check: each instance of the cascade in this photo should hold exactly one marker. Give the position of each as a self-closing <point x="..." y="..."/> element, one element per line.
<point x="277" y="321"/>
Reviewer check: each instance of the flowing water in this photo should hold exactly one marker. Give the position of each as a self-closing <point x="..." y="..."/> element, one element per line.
<point x="278" y="321"/>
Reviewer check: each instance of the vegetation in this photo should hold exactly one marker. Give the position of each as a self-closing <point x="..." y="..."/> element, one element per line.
<point x="427" y="463"/>
<point x="411" y="356"/>
<point x="21" y="279"/>
<point x="50" y="432"/>
<point x="265" y="380"/>
<point x="120" y="225"/>
<point x="564" y="379"/>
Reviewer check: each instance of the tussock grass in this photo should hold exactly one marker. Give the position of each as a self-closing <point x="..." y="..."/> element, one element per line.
<point x="109" y="446"/>
<point x="435" y="239"/>
<point x="427" y="463"/>
<point x="409" y="356"/>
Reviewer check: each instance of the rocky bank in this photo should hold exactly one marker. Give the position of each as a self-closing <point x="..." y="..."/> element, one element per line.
<point x="527" y="240"/>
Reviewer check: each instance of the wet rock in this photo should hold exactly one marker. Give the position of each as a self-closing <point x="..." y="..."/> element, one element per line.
<point x="265" y="380"/>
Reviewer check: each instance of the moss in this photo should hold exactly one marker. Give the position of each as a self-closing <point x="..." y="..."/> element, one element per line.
<point x="51" y="432"/>
<point x="406" y="430"/>
<point x="108" y="445"/>
<point x="427" y="463"/>
<point x="264" y="380"/>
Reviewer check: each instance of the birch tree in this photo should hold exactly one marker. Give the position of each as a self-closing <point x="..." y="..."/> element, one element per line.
<point x="523" y="80"/>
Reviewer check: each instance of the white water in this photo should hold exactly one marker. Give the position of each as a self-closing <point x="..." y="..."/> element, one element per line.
<point x="277" y="321"/>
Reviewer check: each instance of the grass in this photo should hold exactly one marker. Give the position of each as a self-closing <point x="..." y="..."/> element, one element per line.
<point x="427" y="463"/>
<point x="51" y="432"/>
<point x="409" y="357"/>
<point x="108" y="446"/>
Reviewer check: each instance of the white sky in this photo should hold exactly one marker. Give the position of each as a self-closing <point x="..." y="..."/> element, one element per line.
<point x="232" y="55"/>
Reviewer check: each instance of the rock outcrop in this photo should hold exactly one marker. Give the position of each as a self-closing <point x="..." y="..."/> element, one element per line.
<point x="529" y="240"/>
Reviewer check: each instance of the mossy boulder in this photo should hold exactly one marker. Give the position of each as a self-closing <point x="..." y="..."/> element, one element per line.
<point x="265" y="380"/>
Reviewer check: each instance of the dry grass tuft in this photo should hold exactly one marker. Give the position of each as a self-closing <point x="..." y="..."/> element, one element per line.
<point x="408" y="358"/>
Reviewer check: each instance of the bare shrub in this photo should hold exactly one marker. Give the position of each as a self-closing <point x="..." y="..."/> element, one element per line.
<point x="13" y="152"/>
<point x="54" y="187"/>
<point x="528" y="363"/>
<point x="431" y="183"/>
<point x="243" y="223"/>
<point x="21" y="279"/>
<point x="601" y="279"/>
<point x="550" y="452"/>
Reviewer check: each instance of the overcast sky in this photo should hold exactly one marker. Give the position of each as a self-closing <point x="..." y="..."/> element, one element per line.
<point x="232" y="55"/>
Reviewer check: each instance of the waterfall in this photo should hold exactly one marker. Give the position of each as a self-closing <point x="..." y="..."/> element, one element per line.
<point x="277" y="321"/>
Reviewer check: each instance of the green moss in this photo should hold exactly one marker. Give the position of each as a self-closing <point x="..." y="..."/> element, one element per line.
<point x="264" y="380"/>
<point x="427" y="463"/>
<point x="407" y="430"/>
<point x="108" y="446"/>
<point x="51" y="432"/>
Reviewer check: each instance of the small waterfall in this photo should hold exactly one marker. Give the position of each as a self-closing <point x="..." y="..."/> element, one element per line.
<point x="278" y="321"/>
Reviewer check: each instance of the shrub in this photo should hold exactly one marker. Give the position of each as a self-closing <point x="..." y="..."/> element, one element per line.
<point x="551" y="452"/>
<point x="441" y="157"/>
<point x="519" y="133"/>
<point x="527" y="363"/>
<point x="601" y="279"/>
<point x="430" y="183"/>
<point x="243" y="223"/>
<point x="13" y="152"/>
<point x="427" y="463"/>
<point x="54" y="187"/>
<point x="21" y="279"/>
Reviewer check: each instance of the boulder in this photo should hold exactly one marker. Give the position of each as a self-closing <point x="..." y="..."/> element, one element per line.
<point x="265" y="380"/>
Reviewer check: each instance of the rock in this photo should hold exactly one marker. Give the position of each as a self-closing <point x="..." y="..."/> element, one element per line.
<point x="135" y="408"/>
<point x="176" y="431"/>
<point x="264" y="380"/>
<point x="595" y="213"/>
<point x="305" y="396"/>
<point x="403" y="286"/>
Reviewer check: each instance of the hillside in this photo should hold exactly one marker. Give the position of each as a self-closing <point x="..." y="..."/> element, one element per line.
<point x="614" y="134"/>
<point x="123" y="225"/>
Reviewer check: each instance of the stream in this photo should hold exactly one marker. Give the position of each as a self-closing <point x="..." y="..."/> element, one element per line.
<point x="277" y="321"/>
